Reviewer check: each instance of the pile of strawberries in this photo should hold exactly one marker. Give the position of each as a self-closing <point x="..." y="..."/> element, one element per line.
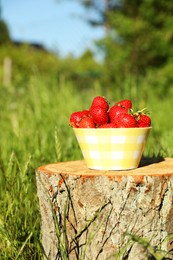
<point x="100" y="115"/>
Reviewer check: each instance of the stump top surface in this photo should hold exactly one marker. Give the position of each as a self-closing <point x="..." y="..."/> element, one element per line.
<point x="161" y="168"/>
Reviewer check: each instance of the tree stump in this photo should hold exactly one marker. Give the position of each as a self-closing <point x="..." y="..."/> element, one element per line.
<point x="89" y="214"/>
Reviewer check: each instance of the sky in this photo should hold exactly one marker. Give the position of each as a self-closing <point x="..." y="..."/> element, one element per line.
<point x="57" y="24"/>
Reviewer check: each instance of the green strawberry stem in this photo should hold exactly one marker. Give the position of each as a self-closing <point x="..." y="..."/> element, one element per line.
<point x="144" y="111"/>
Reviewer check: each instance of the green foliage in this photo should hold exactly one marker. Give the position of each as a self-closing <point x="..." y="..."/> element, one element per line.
<point x="26" y="60"/>
<point x="35" y="131"/>
<point x="138" y="37"/>
<point x="4" y="33"/>
<point x="143" y="31"/>
<point x="29" y="117"/>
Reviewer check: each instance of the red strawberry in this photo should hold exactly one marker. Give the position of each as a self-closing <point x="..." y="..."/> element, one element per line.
<point x="127" y="103"/>
<point x="100" y="101"/>
<point x="86" y="122"/>
<point x="143" y="120"/>
<point x="126" y="121"/>
<point x="99" y="115"/>
<point x="115" y="111"/>
<point x="109" y="125"/>
<point x="75" y="117"/>
<point x="85" y="112"/>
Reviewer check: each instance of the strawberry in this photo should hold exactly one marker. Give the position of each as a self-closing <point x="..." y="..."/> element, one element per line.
<point x="75" y="117"/>
<point x="115" y="111"/>
<point x="100" y="101"/>
<point x="108" y="125"/>
<point x="127" y="103"/>
<point x="142" y="117"/>
<point x="143" y="120"/>
<point x="99" y="115"/>
<point x="85" y="112"/>
<point x="86" y="122"/>
<point x="126" y="121"/>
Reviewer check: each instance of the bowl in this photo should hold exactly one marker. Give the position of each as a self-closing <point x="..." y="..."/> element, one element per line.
<point x="112" y="148"/>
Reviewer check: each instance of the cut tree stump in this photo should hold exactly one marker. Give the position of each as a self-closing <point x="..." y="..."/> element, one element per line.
<point x="89" y="214"/>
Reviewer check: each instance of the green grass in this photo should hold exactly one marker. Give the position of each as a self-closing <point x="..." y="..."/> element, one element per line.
<point x="34" y="121"/>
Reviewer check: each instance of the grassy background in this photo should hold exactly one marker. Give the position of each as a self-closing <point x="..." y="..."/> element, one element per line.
<point x="34" y="122"/>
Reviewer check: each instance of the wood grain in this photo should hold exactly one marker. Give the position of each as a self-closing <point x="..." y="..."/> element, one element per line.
<point x="160" y="168"/>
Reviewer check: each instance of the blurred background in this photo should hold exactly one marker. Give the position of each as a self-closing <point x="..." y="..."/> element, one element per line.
<point x="60" y="26"/>
<point x="55" y="56"/>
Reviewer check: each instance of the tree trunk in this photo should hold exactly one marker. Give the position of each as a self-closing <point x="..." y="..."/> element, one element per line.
<point x="89" y="214"/>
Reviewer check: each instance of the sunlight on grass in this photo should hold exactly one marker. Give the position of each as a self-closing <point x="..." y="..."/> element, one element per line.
<point x="35" y="130"/>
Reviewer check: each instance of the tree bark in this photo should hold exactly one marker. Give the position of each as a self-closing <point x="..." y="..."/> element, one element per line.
<point x="89" y="214"/>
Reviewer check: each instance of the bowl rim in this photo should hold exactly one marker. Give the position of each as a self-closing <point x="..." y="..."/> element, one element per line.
<point x="111" y="128"/>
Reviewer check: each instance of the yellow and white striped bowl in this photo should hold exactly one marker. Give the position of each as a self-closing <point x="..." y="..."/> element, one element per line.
<point x="112" y="148"/>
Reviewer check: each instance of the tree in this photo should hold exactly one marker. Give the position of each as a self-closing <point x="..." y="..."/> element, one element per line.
<point x="139" y="35"/>
<point x="4" y="33"/>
